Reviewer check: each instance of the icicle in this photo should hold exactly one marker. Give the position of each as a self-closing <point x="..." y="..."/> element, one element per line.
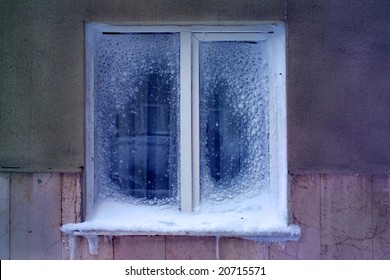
<point x="217" y="247"/>
<point x="93" y="242"/>
<point x="72" y="246"/>
<point x="108" y="238"/>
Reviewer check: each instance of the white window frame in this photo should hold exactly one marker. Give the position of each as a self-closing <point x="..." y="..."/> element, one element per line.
<point x="190" y="36"/>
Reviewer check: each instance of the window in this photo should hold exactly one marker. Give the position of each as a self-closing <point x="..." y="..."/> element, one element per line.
<point x="186" y="130"/>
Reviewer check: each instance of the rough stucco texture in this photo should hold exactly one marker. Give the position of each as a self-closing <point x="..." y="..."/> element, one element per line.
<point x="42" y="67"/>
<point x="338" y="85"/>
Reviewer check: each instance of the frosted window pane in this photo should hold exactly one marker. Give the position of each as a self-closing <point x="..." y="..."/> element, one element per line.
<point x="233" y="119"/>
<point x="136" y="116"/>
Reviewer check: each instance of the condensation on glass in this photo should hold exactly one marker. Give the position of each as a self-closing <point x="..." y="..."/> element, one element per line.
<point x="234" y="122"/>
<point x="136" y="115"/>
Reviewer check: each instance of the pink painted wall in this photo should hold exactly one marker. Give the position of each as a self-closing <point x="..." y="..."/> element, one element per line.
<point x="341" y="216"/>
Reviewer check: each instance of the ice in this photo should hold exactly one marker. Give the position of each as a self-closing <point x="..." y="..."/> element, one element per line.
<point x="72" y="245"/>
<point x="234" y="119"/>
<point x="93" y="244"/>
<point x="136" y="117"/>
<point x="217" y="239"/>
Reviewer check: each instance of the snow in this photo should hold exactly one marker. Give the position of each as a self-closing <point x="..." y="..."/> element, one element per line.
<point x="239" y="200"/>
<point x="244" y="215"/>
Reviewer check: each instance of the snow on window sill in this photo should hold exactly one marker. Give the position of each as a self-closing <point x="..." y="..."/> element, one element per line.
<point x="112" y="218"/>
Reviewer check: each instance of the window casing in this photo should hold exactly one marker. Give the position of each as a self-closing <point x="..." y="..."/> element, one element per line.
<point x="207" y="119"/>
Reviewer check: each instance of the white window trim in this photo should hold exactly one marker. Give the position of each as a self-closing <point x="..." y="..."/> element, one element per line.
<point x="191" y="35"/>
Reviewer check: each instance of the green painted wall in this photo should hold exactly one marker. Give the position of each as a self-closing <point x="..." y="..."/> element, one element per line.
<point x="42" y="68"/>
<point x="338" y="76"/>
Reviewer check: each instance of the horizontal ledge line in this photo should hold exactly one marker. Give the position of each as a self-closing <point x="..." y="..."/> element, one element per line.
<point x="265" y="236"/>
<point x="41" y="169"/>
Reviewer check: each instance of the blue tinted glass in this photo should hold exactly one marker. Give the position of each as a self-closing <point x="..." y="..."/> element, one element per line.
<point x="234" y="125"/>
<point x="136" y="115"/>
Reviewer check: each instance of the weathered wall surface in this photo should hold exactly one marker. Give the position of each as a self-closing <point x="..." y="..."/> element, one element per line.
<point x="42" y="68"/>
<point x="338" y="122"/>
<point x="338" y="65"/>
<point x="341" y="217"/>
<point x="338" y="86"/>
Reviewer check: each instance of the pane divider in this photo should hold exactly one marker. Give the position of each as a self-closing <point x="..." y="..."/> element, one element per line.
<point x="185" y="123"/>
<point x="195" y="123"/>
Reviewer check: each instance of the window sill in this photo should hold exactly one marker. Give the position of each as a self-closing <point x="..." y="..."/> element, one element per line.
<point x="112" y="218"/>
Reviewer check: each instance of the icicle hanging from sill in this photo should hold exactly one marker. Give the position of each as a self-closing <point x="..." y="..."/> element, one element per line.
<point x="217" y="247"/>
<point x="72" y="246"/>
<point x="93" y="243"/>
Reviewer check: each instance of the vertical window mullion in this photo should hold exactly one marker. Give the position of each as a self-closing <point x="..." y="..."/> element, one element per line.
<point x="185" y="123"/>
<point x="195" y="123"/>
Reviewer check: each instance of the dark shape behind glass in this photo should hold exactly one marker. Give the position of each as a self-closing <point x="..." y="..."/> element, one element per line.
<point x="224" y="149"/>
<point x="143" y="141"/>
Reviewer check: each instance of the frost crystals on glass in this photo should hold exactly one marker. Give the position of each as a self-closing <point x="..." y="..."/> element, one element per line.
<point x="234" y="121"/>
<point x="136" y="116"/>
